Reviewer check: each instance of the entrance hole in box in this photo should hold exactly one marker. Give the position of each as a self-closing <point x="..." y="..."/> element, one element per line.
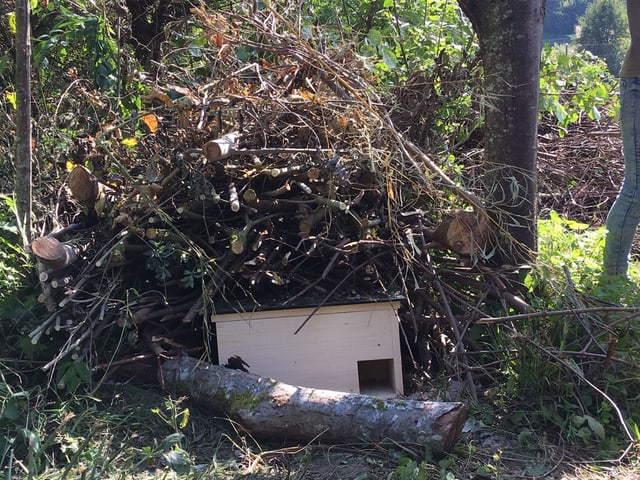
<point x="376" y="376"/>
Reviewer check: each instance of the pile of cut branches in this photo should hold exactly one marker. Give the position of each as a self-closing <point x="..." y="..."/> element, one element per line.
<point x="276" y="181"/>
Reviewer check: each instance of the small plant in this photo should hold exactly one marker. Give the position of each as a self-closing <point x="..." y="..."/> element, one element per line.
<point x="572" y="369"/>
<point x="13" y="263"/>
<point x="173" y="414"/>
<point x="566" y="247"/>
<point x="166" y="261"/>
<point x="170" y="447"/>
<point x="409" y="469"/>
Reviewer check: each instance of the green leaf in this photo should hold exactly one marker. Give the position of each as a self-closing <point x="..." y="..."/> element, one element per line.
<point x="11" y="410"/>
<point x="11" y="20"/>
<point x="171" y="440"/>
<point x="389" y="58"/>
<point x="595" y="426"/>
<point x="374" y="37"/>
<point x="560" y="112"/>
<point x="195" y="52"/>
<point x="635" y="429"/>
<point x="179" y="461"/>
<point x="72" y="374"/>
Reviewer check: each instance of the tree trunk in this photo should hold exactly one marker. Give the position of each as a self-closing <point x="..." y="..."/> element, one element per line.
<point x="270" y="409"/>
<point x="510" y="36"/>
<point x="23" y="193"/>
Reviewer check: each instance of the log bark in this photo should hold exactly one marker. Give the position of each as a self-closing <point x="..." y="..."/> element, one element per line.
<point x="270" y="409"/>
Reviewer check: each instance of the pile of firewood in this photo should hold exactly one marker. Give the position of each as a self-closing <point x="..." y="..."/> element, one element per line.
<point x="272" y="185"/>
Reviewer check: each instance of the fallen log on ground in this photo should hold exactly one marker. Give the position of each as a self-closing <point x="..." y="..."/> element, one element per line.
<point x="270" y="409"/>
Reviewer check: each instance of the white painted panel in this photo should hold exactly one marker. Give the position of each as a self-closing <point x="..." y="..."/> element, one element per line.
<point x="324" y="354"/>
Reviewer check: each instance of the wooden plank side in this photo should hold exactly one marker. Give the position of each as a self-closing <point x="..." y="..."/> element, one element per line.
<point x="324" y="354"/>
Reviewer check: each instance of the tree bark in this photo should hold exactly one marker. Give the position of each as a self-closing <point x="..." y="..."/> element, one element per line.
<point x="23" y="189"/>
<point x="510" y="36"/>
<point x="270" y="409"/>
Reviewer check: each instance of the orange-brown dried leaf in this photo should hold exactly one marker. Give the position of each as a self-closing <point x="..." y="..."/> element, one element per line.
<point x="151" y="121"/>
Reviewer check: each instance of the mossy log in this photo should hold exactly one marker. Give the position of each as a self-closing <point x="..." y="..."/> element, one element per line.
<point x="273" y="410"/>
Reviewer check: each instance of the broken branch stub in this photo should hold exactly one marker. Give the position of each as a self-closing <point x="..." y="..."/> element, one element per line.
<point x="270" y="409"/>
<point x="221" y="148"/>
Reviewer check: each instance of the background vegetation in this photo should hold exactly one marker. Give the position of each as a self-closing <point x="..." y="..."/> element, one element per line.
<point x="570" y="378"/>
<point x="604" y="31"/>
<point x="561" y="18"/>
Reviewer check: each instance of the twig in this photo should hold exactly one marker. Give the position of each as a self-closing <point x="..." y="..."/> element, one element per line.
<point x="330" y="294"/>
<point x="453" y="323"/>
<point x="213" y="285"/>
<point x="557" y="313"/>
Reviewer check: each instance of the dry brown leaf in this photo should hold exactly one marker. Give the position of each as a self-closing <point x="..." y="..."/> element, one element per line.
<point x="151" y="121"/>
<point x="155" y="96"/>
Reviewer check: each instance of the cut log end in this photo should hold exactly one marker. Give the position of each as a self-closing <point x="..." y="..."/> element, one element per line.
<point x="465" y="232"/>
<point x="221" y="148"/>
<point x="83" y="185"/>
<point x="53" y="254"/>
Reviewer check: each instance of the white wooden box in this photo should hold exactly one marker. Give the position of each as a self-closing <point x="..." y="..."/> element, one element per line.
<point x="350" y="348"/>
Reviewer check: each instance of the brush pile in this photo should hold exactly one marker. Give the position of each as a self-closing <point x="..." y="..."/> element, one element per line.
<point x="272" y="182"/>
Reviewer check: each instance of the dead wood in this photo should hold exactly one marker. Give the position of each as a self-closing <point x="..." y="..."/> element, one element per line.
<point x="270" y="409"/>
<point x="265" y="186"/>
<point x="83" y="185"/>
<point x="469" y="233"/>
<point x="53" y="254"/>
<point x="221" y="148"/>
